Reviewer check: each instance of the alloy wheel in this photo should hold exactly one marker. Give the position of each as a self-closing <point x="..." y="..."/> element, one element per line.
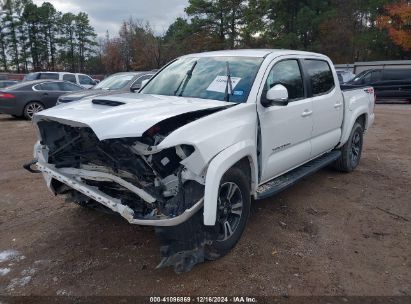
<point x="230" y="210"/>
<point x="33" y="108"/>
<point x="355" y="148"/>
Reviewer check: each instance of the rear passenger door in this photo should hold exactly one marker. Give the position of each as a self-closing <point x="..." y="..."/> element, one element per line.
<point x="374" y="79"/>
<point x="49" y="92"/>
<point x="328" y="105"/>
<point x="396" y="84"/>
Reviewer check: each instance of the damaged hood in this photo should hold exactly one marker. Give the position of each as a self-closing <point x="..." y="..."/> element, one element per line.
<point x="125" y="115"/>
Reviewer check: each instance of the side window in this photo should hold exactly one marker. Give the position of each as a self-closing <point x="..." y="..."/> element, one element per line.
<point x="367" y="78"/>
<point x="49" y="76"/>
<point x="288" y="74"/>
<point x="68" y="87"/>
<point x="70" y="78"/>
<point x="376" y="76"/>
<point x="49" y="86"/>
<point x="322" y="80"/>
<point x="38" y="87"/>
<point x="85" y="80"/>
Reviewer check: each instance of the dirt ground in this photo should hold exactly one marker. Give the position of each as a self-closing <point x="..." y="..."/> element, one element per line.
<point x="332" y="234"/>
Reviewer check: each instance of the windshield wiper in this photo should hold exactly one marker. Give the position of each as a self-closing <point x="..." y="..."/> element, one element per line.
<point x="229" y="84"/>
<point x="185" y="80"/>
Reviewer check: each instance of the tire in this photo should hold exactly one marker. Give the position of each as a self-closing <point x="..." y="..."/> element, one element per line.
<point x="32" y="108"/>
<point x="233" y="210"/>
<point x="351" y="151"/>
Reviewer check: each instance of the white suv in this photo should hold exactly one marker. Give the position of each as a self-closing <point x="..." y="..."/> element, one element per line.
<point x="81" y="79"/>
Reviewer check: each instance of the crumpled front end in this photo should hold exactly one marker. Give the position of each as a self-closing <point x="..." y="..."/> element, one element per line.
<point x="149" y="168"/>
<point x="146" y="187"/>
<point x="131" y="177"/>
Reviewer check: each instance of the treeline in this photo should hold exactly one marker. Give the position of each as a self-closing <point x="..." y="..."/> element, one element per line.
<point x="345" y="30"/>
<point x="34" y="38"/>
<point x="41" y="38"/>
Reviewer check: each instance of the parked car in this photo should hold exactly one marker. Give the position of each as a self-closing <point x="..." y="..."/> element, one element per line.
<point x="344" y="76"/>
<point x="27" y="98"/>
<point x="80" y="79"/>
<point x="116" y="83"/>
<point x="387" y="83"/>
<point x="7" y="83"/>
<point x="203" y="136"/>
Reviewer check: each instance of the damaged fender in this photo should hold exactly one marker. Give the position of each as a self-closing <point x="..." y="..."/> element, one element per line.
<point x="220" y="165"/>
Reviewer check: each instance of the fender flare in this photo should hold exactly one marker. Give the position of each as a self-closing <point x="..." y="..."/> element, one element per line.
<point x="348" y="125"/>
<point x="218" y="167"/>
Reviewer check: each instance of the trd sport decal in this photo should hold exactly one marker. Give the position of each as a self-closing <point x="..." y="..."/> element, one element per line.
<point x="281" y="147"/>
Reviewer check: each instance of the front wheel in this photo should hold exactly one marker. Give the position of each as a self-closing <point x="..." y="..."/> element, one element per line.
<point x="233" y="209"/>
<point x="352" y="150"/>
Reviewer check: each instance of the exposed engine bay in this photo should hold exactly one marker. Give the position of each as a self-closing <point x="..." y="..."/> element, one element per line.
<point x="134" y="178"/>
<point x="160" y="175"/>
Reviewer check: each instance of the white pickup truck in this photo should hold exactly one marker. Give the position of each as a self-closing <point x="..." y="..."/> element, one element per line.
<point x="206" y="134"/>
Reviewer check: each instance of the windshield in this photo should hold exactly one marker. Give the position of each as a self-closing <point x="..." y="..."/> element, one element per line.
<point x="206" y="77"/>
<point x="115" y="82"/>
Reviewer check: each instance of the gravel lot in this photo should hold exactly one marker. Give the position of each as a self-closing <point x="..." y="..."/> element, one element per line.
<point x="332" y="234"/>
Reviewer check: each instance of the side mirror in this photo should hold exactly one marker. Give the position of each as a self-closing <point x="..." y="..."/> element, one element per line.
<point x="277" y="95"/>
<point x="135" y="88"/>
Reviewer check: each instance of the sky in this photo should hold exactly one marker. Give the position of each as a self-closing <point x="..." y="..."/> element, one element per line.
<point x="108" y="14"/>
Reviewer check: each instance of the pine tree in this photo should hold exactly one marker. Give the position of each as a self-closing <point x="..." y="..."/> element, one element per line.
<point x="85" y="38"/>
<point x="10" y="23"/>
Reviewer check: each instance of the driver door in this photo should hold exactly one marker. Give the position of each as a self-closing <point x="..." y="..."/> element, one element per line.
<point x="285" y="129"/>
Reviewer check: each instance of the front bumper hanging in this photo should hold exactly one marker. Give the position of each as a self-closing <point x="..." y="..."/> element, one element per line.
<point x="68" y="176"/>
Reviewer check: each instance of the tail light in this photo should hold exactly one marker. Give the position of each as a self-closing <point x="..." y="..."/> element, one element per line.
<point x="6" y="95"/>
<point x="371" y="91"/>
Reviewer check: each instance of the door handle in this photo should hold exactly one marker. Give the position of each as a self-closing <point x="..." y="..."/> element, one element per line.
<point x="306" y="113"/>
<point x="338" y="105"/>
<point x="45" y="94"/>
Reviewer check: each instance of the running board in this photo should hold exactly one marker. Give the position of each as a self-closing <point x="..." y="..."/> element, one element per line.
<point x="289" y="179"/>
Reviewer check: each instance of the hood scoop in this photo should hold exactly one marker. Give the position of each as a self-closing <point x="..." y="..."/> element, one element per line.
<point x="109" y="103"/>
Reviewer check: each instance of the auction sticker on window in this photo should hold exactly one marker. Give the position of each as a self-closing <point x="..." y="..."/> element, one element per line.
<point x="219" y="84"/>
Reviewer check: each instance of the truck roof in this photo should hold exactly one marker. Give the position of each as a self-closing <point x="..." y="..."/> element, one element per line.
<point x="258" y="53"/>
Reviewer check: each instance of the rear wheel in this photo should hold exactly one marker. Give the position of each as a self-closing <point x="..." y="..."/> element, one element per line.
<point x="233" y="209"/>
<point x="32" y="108"/>
<point x="351" y="151"/>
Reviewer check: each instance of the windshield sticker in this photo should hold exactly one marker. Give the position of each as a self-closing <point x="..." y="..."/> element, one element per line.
<point x="219" y="84"/>
<point x="238" y="93"/>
